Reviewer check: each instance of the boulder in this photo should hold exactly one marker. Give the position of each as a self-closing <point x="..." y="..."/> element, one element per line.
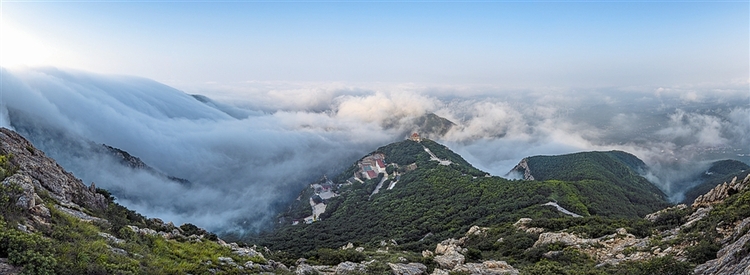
<point x="477" y="231"/>
<point x="561" y="237"/>
<point x="449" y="245"/>
<point x="408" y="269"/>
<point x="350" y="268"/>
<point x="487" y="268"/>
<point x="449" y="260"/>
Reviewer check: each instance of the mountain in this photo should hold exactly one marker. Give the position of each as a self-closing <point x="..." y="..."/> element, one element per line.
<point x="719" y="172"/>
<point x="428" y="125"/>
<point x="432" y="125"/>
<point x="436" y="216"/>
<point x="427" y="193"/>
<point x="51" y="223"/>
<point x="136" y="163"/>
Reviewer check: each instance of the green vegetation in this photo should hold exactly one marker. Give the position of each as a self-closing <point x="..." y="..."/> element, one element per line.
<point x="615" y="170"/>
<point x="720" y="172"/>
<point x="436" y="202"/>
<point x="63" y="244"/>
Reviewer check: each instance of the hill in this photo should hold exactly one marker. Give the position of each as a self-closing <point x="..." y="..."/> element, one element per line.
<point x="428" y="193"/>
<point x="719" y="172"/>
<point x="51" y="223"/>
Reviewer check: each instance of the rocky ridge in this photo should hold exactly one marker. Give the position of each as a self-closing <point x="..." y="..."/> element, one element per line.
<point x="40" y="176"/>
<point x="45" y="187"/>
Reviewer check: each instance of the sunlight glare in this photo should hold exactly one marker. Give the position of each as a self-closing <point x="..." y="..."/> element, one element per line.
<point x="21" y="49"/>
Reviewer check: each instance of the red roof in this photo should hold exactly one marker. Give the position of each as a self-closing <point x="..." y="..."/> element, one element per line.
<point x="372" y="174"/>
<point x="380" y="163"/>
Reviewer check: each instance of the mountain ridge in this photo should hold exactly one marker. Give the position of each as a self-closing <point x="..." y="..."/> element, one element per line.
<point x="57" y="223"/>
<point x="431" y="182"/>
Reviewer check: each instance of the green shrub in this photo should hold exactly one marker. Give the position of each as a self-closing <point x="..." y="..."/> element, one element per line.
<point x="31" y="251"/>
<point x="327" y="256"/>
<point x="702" y="252"/>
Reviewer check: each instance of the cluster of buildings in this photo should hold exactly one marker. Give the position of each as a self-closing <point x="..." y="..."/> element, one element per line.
<point x="372" y="165"/>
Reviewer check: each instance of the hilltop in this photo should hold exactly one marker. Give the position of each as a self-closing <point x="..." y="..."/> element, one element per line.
<point x="427" y="193"/>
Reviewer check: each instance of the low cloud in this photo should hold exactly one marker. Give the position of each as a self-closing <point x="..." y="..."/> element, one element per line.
<point x="253" y="146"/>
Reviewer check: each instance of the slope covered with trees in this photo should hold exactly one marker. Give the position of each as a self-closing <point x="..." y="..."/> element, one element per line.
<point x="719" y="172"/>
<point x="435" y="201"/>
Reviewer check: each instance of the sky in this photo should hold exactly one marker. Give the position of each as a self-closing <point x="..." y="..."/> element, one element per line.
<point x="500" y="43"/>
<point x="298" y="90"/>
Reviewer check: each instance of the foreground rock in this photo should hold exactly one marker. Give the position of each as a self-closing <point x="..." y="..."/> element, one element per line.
<point x="36" y="170"/>
<point x="408" y="269"/>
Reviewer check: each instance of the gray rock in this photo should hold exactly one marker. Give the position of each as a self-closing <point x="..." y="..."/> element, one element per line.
<point x="43" y="173"/>
<point x="226" y="261"/>
<point x="727" y="261"/>
<point x="449" y="260"/>
<point x="488" y="268"/>
<point x="110" y="238"/>
<point x="721" y="192"/>
<point x="561" y="237"/>
<point x="350" y="268"/>
<point x="6" y="268"/>
<point x="408" y="269"/>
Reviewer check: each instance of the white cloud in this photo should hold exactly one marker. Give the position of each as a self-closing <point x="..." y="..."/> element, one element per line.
<point x="295" y="132"/>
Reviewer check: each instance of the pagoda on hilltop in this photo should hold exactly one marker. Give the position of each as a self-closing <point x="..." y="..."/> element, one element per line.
<point x="415" y="137"/>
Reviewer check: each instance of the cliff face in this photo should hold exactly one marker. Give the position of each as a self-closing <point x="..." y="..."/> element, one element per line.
<point x="38" y="173"/>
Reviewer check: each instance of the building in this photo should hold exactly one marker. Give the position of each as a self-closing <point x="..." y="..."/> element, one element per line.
<point x="380" y="166"/>
<point x="415" y="137"/>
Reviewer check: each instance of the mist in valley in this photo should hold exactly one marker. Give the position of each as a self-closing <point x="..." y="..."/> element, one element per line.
<point x="247" y="154"/>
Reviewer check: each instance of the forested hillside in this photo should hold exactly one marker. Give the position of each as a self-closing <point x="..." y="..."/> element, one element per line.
<point x="719" y="172"/>
<point x="435" y="201"/>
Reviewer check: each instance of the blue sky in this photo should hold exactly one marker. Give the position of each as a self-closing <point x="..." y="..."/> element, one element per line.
<point x="510" y="44"/>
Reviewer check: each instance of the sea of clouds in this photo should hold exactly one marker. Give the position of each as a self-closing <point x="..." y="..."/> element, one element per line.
<point x="248" y="148"/>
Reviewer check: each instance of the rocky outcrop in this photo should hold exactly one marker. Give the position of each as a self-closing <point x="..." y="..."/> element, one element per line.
<point x="477" y="231"/>
<point x="523" y="224"/>
<point x="449" y="260"/>
<point x="37" y="172"/>
<point x="305" y="269"/>
<point x="136" y="163"/>
<point x="8" y="269"/>
<point x="449" y="257"/>
<point x="350" y="268"/>
<point x="408" y="269"/>
<point x="522" y="168"/>
<point x="561" y="237"/>
<point x="487" y="268"/>
<point x="722" y="191"/>
<point x="733" y="258"/>
<point x="655" y="216"/>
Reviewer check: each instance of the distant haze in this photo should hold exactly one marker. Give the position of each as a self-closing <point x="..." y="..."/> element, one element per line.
<point x="249" y="153"/>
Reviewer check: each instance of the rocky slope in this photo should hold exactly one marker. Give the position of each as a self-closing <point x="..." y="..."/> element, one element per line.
<point x="35" y="172"/>
<point x="51" y="223"/>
